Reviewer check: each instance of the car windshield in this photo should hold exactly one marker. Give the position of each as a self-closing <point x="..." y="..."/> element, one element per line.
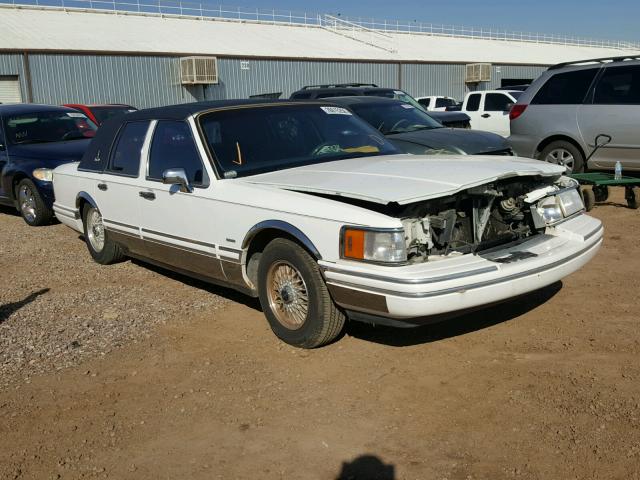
<point x="515" y="94"/>
<point x="104" y="113"/>
<point x="398" y="95"/>
<point x="248" y="141"/>
<point x="395" y="117"/>
<point x="47" y="127"/>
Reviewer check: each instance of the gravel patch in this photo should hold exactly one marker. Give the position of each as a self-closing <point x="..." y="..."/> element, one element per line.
<point x="58" y="307"/>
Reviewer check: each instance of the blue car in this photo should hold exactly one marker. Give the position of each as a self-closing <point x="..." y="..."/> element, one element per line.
<point x="35" y="139"/>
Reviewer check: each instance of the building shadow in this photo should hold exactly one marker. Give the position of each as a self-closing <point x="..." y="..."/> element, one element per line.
<point x="367" y="467"/>
<point x="9" y="309"/>
<point x="453" y="325"/>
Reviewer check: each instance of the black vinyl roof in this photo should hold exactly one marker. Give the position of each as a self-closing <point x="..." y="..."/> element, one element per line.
<point x="96" y="156"/>
<point x="185" y="110"/>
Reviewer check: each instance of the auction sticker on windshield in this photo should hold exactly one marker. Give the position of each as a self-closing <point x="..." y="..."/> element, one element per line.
<point x="75" y="115"/>
<point x="406" y="105"/>
<point x="335" y="110"/>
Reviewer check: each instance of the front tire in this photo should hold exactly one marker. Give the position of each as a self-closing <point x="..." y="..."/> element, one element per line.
<point x="295" y="298"/>
<point x="100" y="246"/>
<point x="564" y="153"/>
<point x="31" y="206"/>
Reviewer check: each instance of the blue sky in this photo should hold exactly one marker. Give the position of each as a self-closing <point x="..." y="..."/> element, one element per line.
<point x="612" y="19"/>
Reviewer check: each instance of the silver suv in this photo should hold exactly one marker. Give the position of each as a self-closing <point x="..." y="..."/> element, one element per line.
<point x="559" y="116"/>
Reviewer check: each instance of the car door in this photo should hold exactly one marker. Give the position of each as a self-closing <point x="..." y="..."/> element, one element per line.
<point x="116" y="189"/>
<point x="4" y="158"/>
<point x="613" y="108"/>
<point x="494" y="113"/>
<point x="472" y="108"/>
<point x="175" y="226"/>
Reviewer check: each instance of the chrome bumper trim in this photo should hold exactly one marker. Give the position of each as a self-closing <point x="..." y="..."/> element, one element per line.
<point x="473" y="286"/>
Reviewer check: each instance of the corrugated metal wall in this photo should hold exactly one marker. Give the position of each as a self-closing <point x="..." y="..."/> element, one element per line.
<point x="421" y="80"/>
<point x="11" y="64"/>
<point x="136" y="80"/>
<point x="242" y="78"/>
<point x="148" y="81"/>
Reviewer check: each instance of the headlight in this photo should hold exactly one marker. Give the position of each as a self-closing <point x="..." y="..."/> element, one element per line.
<point x="44" y="174"/>
<point x="570" y="202"/>
<point x="563" y="205"/>
<point x="371" y="245"/>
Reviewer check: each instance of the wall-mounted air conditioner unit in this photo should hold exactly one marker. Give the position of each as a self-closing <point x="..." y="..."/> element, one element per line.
<point x="478" y="72"/>
<point x="198" y="70"/>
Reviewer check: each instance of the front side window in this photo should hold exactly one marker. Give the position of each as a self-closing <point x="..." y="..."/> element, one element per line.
<point x="125" y="157"/>
<point x="619" y="86"/>
<point x="173" y="147"/>
<point x="568" y="88"/>
<point x="395" y="117"/>
<point x="496" y="102"/>
<point x="248" y="141"/>
<point x="48" y="127"/>
<point x="473" y="102"/>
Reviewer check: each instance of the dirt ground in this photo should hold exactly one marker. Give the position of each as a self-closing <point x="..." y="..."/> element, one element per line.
<point x="194" y="385"/>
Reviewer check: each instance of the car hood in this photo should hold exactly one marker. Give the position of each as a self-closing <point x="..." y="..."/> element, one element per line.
<point x="70" y="151"/>
<point x="402" y="179"/>
<point x="472" y="142"/>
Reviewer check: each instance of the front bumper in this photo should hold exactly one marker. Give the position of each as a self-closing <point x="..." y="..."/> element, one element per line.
<point x="413" y="293"/>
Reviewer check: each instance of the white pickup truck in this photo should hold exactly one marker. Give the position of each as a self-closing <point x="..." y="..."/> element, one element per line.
<point x="489" y="110"/>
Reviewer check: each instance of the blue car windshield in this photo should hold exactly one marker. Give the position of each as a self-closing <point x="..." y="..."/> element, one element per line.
<point x="395" y="117"/>
<point x="248" y="141"/>
<point x="47" y="127"/>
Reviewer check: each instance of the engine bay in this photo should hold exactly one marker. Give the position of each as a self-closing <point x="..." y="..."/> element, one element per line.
<point x="476" y="219"/>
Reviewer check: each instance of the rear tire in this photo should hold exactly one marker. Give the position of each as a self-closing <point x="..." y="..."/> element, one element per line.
<point x="564" y="153"/>
<point x="31" y="206"/>
<point x="632" y="195"/>
<point x="601" y="192"/>
<point x="295" y="298"/>
<point x="100" y="246"/>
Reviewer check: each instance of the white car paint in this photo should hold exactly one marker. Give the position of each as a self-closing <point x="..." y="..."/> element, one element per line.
<point x="214" y="222"/>
<point x="430" y="102"/>
<point x="403" y="178"/>
<point x="486" y="117"/>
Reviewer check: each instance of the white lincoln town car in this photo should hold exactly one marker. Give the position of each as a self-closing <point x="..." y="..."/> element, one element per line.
<point x="310" y="209"/>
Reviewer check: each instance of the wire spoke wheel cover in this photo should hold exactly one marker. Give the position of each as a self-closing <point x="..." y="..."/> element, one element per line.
<point x="27" y="203"/>
<point x="563" y="157"/>
<point x="287" y="294"/>
<point x="95" y="230"/>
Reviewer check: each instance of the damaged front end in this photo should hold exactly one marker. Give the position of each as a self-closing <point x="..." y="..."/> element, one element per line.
<point x="484" y="217"/>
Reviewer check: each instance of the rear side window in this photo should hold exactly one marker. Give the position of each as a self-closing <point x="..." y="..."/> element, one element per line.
<point x="125" y="157"/>
<point x="444" y="102"/>
<point x="299" y="95"/>
<point x="473" y="103"/>
<point x="619" y="86"/>
<point x="568" y="88"/>
<point x="496" y="102"/>
<point x="173" y="147"/>
<point x="424" y="102"/>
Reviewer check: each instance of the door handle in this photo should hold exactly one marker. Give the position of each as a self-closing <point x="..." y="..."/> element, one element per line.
<point x="485" y="115"/>
<point x="102" y="186"/>
<point x="147" y="195"/>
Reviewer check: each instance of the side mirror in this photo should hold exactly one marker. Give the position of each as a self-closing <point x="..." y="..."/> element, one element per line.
<point x="177" y="176"/>
<point x="508" y="107"/>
